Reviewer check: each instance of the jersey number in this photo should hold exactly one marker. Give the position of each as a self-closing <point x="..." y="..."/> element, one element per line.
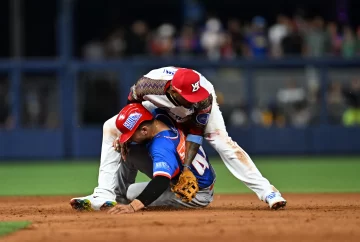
<point x="200" y="165"/>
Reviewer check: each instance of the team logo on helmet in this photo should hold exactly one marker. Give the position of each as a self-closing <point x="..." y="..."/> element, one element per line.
<point x="195" y="86"/>
<point x="132" y="120"/>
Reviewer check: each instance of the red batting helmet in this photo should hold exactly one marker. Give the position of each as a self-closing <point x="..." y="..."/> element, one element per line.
<point x="129" y="119"/>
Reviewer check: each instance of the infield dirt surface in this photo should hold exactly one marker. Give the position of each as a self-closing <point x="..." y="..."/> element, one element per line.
<point x="308" y="217"/>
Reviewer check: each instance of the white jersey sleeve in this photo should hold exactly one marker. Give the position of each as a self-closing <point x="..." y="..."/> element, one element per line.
<point x="164" y="73"/>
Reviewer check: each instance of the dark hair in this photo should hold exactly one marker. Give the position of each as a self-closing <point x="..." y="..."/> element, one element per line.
<point x="146" y="123"/>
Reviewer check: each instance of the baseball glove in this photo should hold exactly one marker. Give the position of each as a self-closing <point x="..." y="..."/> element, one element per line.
<point x="187" y="186"/>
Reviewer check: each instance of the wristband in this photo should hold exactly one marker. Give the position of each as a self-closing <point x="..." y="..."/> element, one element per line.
<point x="194" y="138"/>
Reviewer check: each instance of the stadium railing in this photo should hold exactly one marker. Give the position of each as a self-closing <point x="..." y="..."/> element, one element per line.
<point x="71" y="141"/>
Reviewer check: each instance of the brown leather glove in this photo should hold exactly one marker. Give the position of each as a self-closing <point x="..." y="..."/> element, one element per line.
<point x="187" y="186"/>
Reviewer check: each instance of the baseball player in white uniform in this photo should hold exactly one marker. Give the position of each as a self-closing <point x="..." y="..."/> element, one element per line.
<point x="189" y="98"/>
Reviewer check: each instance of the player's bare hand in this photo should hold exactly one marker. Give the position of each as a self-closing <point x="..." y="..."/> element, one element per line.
<point x="116" y="145"/>
<point x="121" y="148"/>
<point x="121" y="209"/>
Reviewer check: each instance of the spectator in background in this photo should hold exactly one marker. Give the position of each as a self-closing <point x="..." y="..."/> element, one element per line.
<point x="226" y="109"/>
<point x="291" y="93"/>
<point x="37" y="102"/>
<point x="212" y="39"/>
<point x="302" y="115"/>
<point x="335" y="103"/>
<point x="348" y="43"/>
<point x="115" y="44"/>
<point x="300" y="22"/>
<point x="276" y="33"/>
<point x="315" y="38"/>
<point x="227" y="49"/>
<point x="256" y="40"/>
<point x="187" y="43"/>
<point x="32" y="109"/>
<point x="334" y="39"/>
<point x="234" y="114"/>
<point x="293" y="43"/>
<point x="293" y="100"/>
<point x="236" y="37"/>
<point x="94" y="51"/>
<point x="137" y="39"/>
<point x="273" y="116"/>
<point x="238" y="116"/>
<point x="286" y="37"/>
<point x="163" y="42"/>
<point x="351" y="116"/>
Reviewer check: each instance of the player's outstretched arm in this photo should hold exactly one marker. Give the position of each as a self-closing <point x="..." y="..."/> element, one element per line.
<point x="152" y="191"/>
<point x="146" y="86"/>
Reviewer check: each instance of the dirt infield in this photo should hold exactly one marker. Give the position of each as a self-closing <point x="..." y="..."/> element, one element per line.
<point x="316" y="217"/>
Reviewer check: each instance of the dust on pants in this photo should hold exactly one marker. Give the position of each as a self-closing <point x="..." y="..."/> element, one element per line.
<point x="235" y="158"/>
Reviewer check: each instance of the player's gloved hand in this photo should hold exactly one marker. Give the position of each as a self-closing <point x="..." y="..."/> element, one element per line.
<point x="187" y="186"/>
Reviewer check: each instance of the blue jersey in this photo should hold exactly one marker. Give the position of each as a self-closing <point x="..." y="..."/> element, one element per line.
<point x="167" y="150"/>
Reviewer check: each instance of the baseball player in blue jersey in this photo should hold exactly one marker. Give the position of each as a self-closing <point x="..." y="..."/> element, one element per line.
<point x="159" y="153"/>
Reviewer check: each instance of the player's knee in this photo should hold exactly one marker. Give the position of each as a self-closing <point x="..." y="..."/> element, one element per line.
<point x="131" y="194"/>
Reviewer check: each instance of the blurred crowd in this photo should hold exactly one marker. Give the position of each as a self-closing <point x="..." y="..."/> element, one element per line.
<point x="289" y="36"/>
<point x="290" y="103"/>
